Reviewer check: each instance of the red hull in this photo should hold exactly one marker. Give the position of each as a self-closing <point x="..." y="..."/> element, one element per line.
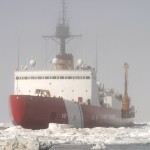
<point x="35" y="112"/>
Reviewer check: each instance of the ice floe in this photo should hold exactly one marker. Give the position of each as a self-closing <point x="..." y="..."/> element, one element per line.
<point x="18" y="138"/>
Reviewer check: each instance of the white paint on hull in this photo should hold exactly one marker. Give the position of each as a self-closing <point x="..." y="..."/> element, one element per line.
<point x="75" y="116"/>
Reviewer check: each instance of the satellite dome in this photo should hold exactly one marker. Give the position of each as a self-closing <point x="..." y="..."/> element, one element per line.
<point x="98" y="83"/>
<point x="25" y="67"/>
<point x="32" y="63"/>
<point x="80" y="62"/>
<point x="55" y="61"/>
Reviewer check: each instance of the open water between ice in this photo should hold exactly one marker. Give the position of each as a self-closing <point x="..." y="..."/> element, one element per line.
<point x="65" y="137"/>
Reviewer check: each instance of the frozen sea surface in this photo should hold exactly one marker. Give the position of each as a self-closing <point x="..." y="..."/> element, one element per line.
<point x="65" y="137"/>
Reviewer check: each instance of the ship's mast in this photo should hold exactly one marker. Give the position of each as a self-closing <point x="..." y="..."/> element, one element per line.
<point x="62" y="30"/>
<point x="64" y="12"/>
<point x="64" y="61"/>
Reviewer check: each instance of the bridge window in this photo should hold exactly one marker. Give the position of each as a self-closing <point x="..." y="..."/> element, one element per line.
<point x="69" y="77"/>
<point x="17" y="78"/>
<point x="51" y="77"/>
<point x="46" y="77"/>
<point x="40" y="77"/>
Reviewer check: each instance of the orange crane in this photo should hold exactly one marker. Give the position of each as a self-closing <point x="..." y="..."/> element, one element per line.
<point x="126" y="99"/>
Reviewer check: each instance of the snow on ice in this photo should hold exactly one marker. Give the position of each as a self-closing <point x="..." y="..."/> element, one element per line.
<point x="18" y="138"/>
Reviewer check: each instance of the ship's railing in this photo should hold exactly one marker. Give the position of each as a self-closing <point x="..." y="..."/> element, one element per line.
<point x="42" y="92"/>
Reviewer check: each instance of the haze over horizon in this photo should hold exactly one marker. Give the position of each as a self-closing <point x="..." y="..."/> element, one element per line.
<point x="118" y="29"/>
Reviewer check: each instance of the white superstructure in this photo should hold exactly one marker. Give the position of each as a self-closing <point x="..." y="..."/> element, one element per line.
<point x="72" y="85"/>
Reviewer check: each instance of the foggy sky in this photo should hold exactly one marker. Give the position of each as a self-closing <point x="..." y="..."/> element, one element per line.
<point x="118" y="29"/>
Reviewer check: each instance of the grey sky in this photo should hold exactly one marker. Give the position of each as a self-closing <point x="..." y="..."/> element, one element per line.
<point x="120" y="27"/>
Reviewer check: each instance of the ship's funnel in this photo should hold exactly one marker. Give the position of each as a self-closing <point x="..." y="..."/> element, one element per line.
<point x="65" y="62"/>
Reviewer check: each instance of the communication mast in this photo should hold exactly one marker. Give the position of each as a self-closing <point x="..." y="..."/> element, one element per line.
<point x="64" y="61"/>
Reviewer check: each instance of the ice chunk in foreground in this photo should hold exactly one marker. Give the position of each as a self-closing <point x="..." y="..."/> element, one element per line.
<point x="18" y="138"/>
